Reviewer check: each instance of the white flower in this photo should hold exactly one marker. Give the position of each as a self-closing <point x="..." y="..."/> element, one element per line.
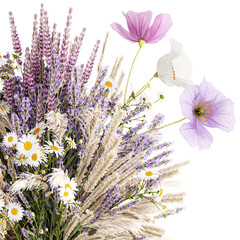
<point x="150" y="173"/>
<point x="2" y="204"/>
<point x="53" y="148"/>
<point x="71" y="184"/>
<point x="71" y="142"/>
<point x="4" y="108"/>
<point x="110" y="84"/>
<point x="39" y="129"/>
<point x="10" y="139"/>
<point x="15" y="212"/>
<point x="35" y="158"/>
<point x="27" y="144"/>
<point x="67" y="194"/>
<point x="174" y="68"/>
<point x="20" y="159"/>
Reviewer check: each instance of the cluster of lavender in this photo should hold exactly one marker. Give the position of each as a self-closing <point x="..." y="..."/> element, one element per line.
<point x="73" y="163"/>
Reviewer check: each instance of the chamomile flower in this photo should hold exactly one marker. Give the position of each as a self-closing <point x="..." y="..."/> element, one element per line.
<point x="35" y="158"/>
<point x="10" y="139"/>
<point x="15" y="212"/>
<point x="159" y="196"/>
<point x="110" y="84"/>
<point x="66" y="194"/>
<point x="71" y="142"/>
<point x="2" y="204"/>
<point x="53" y="148"/>
<point x="39" y="129"/>
<point x="149" y="173"/>
<point x="27" y="144"/>
<point x="4" y="108"/>
<point x="71" y="184"/>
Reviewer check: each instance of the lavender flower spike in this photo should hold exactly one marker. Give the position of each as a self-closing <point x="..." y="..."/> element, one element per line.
<point x="140" y="29"/>
<point x="205" y="106"/>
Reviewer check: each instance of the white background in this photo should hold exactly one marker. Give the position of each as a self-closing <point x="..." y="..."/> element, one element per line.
<point x="209" y="31"/>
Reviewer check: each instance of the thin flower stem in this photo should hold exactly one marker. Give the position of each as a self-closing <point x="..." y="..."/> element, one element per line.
<point x="10" y="225"/>
<point x="125" y="94"/>
<point x="163" y="126"/>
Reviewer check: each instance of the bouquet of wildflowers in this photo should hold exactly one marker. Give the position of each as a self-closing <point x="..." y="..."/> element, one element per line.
<point x="81" y="161"/>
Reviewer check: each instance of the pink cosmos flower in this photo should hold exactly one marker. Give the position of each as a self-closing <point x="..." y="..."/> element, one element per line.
<point x="138" y="26"/>
<point x="205" y="106"/>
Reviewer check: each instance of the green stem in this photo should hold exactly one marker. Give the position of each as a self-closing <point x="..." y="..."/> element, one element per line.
<point x="163" y="126"/>
<point x="125" y="95"/>
<point x="10" y="225"/>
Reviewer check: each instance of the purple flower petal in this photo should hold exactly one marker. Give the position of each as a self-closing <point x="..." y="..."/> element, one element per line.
<point x="123" y="32"/>
<point x="159" y="28"/>
<point x="196" y="135"/>
<point x="223" y="116"/>
<point x="186" y="100"/>
<point x="138" y="23"/>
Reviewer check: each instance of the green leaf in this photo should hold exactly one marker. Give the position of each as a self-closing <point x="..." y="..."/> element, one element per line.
<point x="15" y="56"/>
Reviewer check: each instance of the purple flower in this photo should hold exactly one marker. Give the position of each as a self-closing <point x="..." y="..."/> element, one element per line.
<point x="205" y="106"/>
<point x="138" y="26"/>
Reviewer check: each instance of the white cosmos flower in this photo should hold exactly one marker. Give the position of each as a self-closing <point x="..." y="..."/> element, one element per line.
<point x="35" y="158"/>
<point x="4" y="108"/>
<point x="110" y="84"/>
<point x="53" y="148"/>
<point x="10" y="139"/>
<point x="174" y="68"/>
<point x="15" y="212"/>
<point x="39" y="129"/>
<point x="27" y="144"/>
<point x="71" y="142"/>
<point x="150" y="173"/>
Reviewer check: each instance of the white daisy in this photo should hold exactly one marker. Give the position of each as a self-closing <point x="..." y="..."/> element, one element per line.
<point x="71" y="184"/>
<point x="35" y="158"/>
<point x="15" y="212"/>
<point x="27" y="144"/>
<point x="71" y="142"/>
<point x="53" y="148"/>
<point x="10" y="139"/>
<point x="57" y="178"/>
<point x="110" y="84"/>
<point x="4" y="108"/>
<point x="66" y="194"/>
<point x="20" y="159"/>
<point x="174" y="68"/>
<point x="150" y="173"/>
<point x="39" y="129"/>
<point x="2" y="204"/>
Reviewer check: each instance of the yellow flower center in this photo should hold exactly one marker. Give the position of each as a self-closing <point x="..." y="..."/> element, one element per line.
<point x="160" y="193"/>
<point x="10" y="139"/>
<point x="108" y="84"/>
<point x="2" y="107"/>
<point x="69" y="200"/>
<point x="148" y="85"/>
<point x="72" y="142"/>
<point x="37" y="130"/>
<point x="14" y="211"/>
<point x="54" y="148"/>
<point x="34" y="157"/>
<point x="65" y="194"/>
<point x="27" y="146"/>
<point x="68" y="186"/>
<point x="149" y="173"/>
